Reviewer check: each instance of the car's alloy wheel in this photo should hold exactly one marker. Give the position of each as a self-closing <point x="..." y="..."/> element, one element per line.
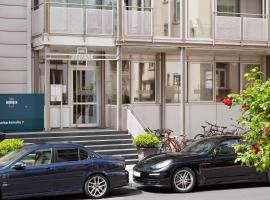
<point x="184" y="180"/>
<point x="96" y="186"/>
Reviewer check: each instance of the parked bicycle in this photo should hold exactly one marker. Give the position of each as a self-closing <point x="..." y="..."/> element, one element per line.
<point x="169" y="143"/>
<point x="214" y="130"/>
<point x="238" y="130"/>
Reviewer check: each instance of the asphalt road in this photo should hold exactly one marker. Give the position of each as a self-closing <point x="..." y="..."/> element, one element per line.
<point x="222" y="192"/>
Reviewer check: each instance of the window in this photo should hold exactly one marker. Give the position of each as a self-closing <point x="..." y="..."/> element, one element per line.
<point x="226" y="147"/>
<point x="59" y="82"/>
<point x="111" y="82"/>
<point x="227" y="79"/>
<point x="83" y="155"/>
<point x="199" y="18"/>
<point x="67" y="155"/>
<point x="36" y="4"/>
<point x="173" y="82"/>
<point x="144" y="83"/>
<point x="38" y="157"/>
<point x="228" y="7"/>
<point x="177" y="10"/>
<point x="200" y="82"/>
<point x="245" y="68"/>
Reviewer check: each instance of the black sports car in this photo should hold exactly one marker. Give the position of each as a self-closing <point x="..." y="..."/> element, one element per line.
<point x="204" y="162"/>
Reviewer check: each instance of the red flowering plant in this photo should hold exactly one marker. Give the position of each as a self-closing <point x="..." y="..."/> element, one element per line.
<point x="254" y="151"/>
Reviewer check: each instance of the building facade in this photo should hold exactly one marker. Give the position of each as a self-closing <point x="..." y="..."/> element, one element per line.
<point x="131" y="64"/>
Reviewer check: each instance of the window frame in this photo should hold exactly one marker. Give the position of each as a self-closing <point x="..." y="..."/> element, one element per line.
<point x="213" y="82"/>
<point x="30" y="152"/>
<point x="63" y="147"/>
<point x="133" y="80"/>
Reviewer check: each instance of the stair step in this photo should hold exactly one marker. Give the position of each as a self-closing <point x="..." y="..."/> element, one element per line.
<point x="110" y="147"/>
<point x="116" y="151"/>
<point x="75" y="138"/>
<point x="66" y="133"/>
<point x="132" y="161"/>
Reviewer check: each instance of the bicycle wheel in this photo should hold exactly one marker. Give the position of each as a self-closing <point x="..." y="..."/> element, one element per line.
<point x="165" y="147"/>
<point x="199" y="136"/>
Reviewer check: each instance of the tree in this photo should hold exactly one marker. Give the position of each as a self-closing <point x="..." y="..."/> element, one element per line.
<point x="255" y="107"/>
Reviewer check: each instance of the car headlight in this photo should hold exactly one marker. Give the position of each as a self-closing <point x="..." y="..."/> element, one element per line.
<point x="162" y="164"/>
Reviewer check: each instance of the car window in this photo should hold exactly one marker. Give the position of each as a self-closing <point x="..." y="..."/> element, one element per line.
<point x="83" y="155"/>
<point x="67" y="155"/>
<point x="199" y="147"/>
<point x="38" y="157"/>
<point x="226" y="147"/>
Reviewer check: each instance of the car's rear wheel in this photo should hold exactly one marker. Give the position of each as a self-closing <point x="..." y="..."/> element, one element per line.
<point x="183" y="180"/>
<point x="96" y="186"/>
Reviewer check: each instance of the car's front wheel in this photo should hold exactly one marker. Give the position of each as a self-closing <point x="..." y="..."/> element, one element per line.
<point x="183" y="180"/>
<point x="96" y="186"/>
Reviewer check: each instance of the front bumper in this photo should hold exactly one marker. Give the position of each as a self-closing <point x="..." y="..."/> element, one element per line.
<point x="153" y="179"/>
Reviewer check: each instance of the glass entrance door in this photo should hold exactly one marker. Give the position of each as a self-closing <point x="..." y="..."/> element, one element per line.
<point x="85" y="98"/>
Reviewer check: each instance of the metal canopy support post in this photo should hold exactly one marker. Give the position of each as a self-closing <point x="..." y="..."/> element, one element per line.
<point x="119" y="88"/>
<point x="103" y="111"/>
<point x="163" y="90"/>
<point x="119" y="65"/>
<point x="183" y="89"/>
<point x="47" y="92"/>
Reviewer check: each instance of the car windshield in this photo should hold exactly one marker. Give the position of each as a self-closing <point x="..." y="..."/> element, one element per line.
<point x="5" y="160"/>
<point x="200" y="147"/>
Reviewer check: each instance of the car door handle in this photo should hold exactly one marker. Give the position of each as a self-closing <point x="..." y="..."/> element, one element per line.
<point x="48" y="168"/>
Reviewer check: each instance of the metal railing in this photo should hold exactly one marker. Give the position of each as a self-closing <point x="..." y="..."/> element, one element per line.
<point x="240" y="27"/>
<point x="71" y="18"/>
<point x="138" y="21"/>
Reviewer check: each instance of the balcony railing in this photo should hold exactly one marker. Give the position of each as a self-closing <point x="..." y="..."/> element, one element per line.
<point x="138" y="21"/>
<point x="241" y="27"/>
<point x="79" y="19"/>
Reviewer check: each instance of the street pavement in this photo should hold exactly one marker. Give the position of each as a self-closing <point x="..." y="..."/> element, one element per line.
<point x="220" y="192"/>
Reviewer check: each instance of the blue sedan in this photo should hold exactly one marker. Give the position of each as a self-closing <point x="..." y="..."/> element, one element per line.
<point x="57" y="169"/>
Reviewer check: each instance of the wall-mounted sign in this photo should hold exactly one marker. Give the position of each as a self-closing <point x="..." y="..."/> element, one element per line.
<point x="21" y="112"/>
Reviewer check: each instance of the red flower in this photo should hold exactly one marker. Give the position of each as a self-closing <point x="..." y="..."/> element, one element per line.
<point x="227" y="101"/>
<point x="255" y="148"/>
<point x="265" y="128"/>
<point x="245" y="108"/>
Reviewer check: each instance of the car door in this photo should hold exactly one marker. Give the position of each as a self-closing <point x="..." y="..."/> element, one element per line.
<point x="35" y="177"/>
<point x="220" y="165"/>
<point x="70" y="169"/>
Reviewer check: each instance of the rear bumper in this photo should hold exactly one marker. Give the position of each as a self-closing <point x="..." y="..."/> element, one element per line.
<point x="119" y="179"/>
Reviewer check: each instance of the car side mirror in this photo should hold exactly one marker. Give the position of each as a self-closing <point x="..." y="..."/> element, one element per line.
<point x="19" y="166"/>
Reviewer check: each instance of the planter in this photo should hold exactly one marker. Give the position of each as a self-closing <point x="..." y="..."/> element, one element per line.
<point x="143" y="152"/>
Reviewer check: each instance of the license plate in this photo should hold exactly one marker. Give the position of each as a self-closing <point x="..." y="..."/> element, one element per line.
<point x="136" y="174"/>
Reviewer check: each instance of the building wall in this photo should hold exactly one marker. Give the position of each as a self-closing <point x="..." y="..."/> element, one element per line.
<point x="15" y="46"/>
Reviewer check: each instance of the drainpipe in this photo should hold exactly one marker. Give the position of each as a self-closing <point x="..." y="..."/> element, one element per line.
<point x="119" y="65"/>
<point x="47" y="91"/>
<point x="183" y="89"/>
<point x="163" y="90"/>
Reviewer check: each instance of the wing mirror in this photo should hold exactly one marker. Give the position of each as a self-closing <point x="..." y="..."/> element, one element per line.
<point x="19" y="166"/>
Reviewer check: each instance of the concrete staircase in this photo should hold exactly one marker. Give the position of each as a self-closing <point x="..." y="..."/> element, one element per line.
<point x="102" y="141"/>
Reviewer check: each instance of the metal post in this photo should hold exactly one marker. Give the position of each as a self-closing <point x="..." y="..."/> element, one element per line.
<point x="36" y="72"/>
<point x="102" y="74"/>
<point x="183" y="91"/>
<point x="29" y="48"/>
<point x="119" y="64"/>
<point x="47" y="92"/>
<point x="163" y="90"/>
<point x="119" y="88"/>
